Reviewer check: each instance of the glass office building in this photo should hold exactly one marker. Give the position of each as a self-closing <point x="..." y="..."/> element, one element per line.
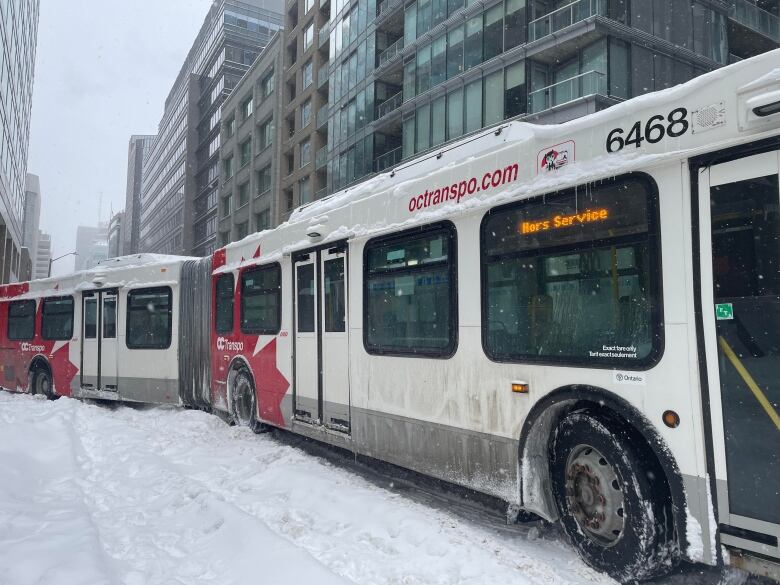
<point x="181" y="172"/>
<point x="403" y="77"/>
<point x="18" y="41"/>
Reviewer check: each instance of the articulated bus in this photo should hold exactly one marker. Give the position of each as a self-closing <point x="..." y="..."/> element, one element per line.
<point x="582" y="320"/>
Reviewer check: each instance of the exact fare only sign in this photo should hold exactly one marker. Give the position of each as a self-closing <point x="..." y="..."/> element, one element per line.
<point x="563" y="221"/>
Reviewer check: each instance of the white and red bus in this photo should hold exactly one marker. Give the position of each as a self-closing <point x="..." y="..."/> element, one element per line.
<point x="582" y="320"/>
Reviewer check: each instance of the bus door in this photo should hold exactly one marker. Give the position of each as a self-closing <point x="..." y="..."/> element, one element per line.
<point x="334" y="339"/>
<point x="739" y="210"/>
<point x="307" y="373"/>
<point x="98" y="340"/>
<point x="321" y="338"/>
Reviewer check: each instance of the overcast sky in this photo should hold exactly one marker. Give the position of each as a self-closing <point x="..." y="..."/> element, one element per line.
<point x="103" y="71"/>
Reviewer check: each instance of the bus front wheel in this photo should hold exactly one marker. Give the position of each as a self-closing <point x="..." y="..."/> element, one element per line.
<point x="607" y="505"/>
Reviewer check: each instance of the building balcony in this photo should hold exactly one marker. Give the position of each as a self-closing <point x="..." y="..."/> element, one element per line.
<point x="564" y="17"/>
<point x="388" y="159"/>
<point x="392" y="103"/>
<point x="322" y="117"/>
<point x="387" y="5"/>
<point x="322" y="74"/>
<point x="568" y="90"/>
<point x="751" y="16"/>
<point x="322" y="157"/>
<point x="391" y="52"/>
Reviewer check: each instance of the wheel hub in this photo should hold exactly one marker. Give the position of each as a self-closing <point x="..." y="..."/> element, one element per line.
<point x="594" y="495"/>
<point x="243" y="403"/>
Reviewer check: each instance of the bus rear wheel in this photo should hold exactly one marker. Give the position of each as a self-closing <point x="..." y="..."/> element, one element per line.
<point x="42" y="383"/>
<point x="244" y="401"/>
<point x="606" y="503"/>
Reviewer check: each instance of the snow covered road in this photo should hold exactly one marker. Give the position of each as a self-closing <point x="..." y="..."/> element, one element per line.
<point x="95" y="495"/>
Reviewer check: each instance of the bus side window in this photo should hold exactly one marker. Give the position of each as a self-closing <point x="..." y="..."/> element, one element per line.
<point x="225" y="298"/>
<point x="21" y="320"/>
<point x="57" y="318"/>
<point x="90" y="318"/>
<point x="261" y="300"/>
<point x="149" y="318"/>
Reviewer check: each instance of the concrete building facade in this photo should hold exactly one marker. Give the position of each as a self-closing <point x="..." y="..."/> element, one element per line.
<point x="43" y="257"/>
<point x="181" y="171"/>
<point x="251" y="149"/>
<point x="137" y="151"/>
<point x="397" y="78"/>
<point x="32" y="214"/>
<point x="18" y="41"/>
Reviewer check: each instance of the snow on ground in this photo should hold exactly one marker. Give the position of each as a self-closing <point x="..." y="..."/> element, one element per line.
<point x="97" y="495"/>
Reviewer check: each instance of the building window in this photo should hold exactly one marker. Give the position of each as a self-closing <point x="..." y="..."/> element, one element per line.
<point x="438" y="61"/>
<point x="224" y="238"/>
<point x="304" y="191"/>
<point x="410" y="293"/>
<point x="263" y="220"/>
<point x="246" y="151"/>
<point x="21" y="320"/>
<point x="242" y="230"/>
<point x="423" y="69"/>
<point x="149" y="318"/>
<point x="306" y="113"/>
<point x="243" y="194"/>
<point x="264" y="180"/>
<point x="261" y="300"/>
<point x="423" y="116"/>
<point x="266" y="135"/>
<point x="230" y="127"/>
<point x="494" y="39"/>
<point x="438" y="120"/>
<point x="308" y="36"/>
<point x="227" y="167"/>
<point x="57" y="318"/>
<point x="225" y="299"/>
<point x="268" y="85"/>
<point x="455" y="52"/>
<point x="494" y="98"/>
<point x="455" y="114"/>
<point x="515" y="89"/>
<point x="473" y="108"/>
<point x="308" y="70"/>
<point x="548" y="260"/>
<point x="246" y="107"/>
<point x="473" y="45"/>
<point x="226" y="206"/>
<point x="305" y="152"/>
<point x="308" y="6"/>
<point x="514" y="24"/>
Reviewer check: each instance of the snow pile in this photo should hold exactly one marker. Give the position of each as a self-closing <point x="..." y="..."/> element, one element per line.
<point x="92" y="495"/>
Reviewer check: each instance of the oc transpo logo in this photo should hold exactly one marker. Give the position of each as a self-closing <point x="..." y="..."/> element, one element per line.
<point x="30" y="347"/>
<point x="225" y="344"/>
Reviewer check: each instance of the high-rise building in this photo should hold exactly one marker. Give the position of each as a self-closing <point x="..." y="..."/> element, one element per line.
<point x="250" y="149"/>
<point x="91" y="246"/>
<point x="115" y="237"/>
<point x="32" y="214"/>
<point x="394" y="79"/>
<point x="18" y="41"/>
<point x="136" y="154"/>
<point x="182" y="166"/>
<point x="43" y="258"/>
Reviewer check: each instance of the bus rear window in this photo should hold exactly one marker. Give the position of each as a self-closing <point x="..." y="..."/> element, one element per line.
<point x="21" y="320"/>
<point x="572" y="277"/>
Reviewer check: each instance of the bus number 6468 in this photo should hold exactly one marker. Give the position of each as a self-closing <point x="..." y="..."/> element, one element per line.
<point x="654" y="130"/>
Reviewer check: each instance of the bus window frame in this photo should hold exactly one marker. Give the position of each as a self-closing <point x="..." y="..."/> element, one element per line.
<point x="259" y="268"/>
<point x="72" y="314"/>
<point x="654" y="241"/>
<point x="232" y="297"/>
<point x="451" y="348"/>
<point x="147" y="290"/>
<point x="8" y="320"/>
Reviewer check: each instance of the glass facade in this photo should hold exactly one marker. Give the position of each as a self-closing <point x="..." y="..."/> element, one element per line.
<point x="18" y="41"/>
<point x="183" y="165"/>
<point x="407" y="77"/>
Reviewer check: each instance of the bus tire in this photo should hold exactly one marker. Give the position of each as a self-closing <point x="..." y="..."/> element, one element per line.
<point x="42" y="383"/>
<point x="606" y="503"/>
<point x="244" y="402"/>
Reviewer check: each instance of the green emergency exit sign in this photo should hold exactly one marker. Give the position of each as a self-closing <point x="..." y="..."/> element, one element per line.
<point x="724" y="311"/>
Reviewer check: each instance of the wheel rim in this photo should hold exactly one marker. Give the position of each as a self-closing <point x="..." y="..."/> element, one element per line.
<point x="243" y="402"/>
<point x="594" y="494"/>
